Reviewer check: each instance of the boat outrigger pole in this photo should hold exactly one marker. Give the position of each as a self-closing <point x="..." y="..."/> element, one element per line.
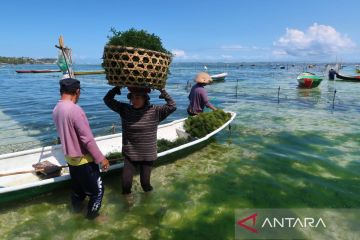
<point x="63" y="49"/>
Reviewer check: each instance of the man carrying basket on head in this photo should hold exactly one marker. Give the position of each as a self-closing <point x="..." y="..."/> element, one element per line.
<point x="139" y="121"/>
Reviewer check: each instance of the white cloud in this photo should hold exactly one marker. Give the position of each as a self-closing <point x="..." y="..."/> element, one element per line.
<point x="318" y="40"/>
<point x="232" y="47"/>
<point x="279" y="52"/>
<point x="227" y="53"/>
<point x="226" y="56"/>
<point x="179" y="53"/>
<point x="239" y="47"/>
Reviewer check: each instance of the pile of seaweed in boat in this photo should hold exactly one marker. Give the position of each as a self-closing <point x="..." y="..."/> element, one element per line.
<point x="204" y="123"/>
<point x="164" y="145"/>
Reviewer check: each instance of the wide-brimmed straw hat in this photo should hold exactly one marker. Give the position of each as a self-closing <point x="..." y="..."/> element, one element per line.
<point x="203" y="77"/>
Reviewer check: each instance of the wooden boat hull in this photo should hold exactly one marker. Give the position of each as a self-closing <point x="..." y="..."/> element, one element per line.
<point x="348" y="78"/>
<point x="308" y="80"/>
<point x="26" y="185"/>
<point x="309" y="83"/>
<point x="90" y="72"/>
<point x="37" y="71"/>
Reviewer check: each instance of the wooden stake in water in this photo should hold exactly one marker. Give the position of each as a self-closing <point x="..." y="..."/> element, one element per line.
<point x="188" y="85"/>
<point x="279" y="95"/>
<point x="237" y="83"/>
<point x="334" y="99"/>
<point x="113" y="128"/>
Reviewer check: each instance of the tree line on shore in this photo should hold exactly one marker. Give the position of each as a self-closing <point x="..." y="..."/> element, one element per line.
<point x="26" y="60"/>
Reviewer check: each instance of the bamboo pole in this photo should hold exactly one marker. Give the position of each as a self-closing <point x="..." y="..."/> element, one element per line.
<point x="39" y="170"/>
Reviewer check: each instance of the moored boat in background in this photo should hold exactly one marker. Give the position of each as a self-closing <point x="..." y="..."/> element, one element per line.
<point x="37" y="71"/>
<point x="219" y="77"/>
<point x="348" y="78"/>
<point x="308" y="80"/>
<point x="90" y="72"/>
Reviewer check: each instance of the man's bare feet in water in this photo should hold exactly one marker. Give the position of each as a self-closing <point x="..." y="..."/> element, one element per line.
<point x="129" y="199"/>
<point x="101" y="219"/>
<point x="97" y="217"/>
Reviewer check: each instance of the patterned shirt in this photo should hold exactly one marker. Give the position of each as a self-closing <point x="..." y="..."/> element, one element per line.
<point x="139" y="126"/>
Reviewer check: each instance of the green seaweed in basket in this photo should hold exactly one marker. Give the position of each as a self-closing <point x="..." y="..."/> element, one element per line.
<point x="137" y="39"/>
<point x="205" y="123"/>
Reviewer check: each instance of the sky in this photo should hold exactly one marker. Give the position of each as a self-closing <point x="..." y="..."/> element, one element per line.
<point x="197" y="30"/>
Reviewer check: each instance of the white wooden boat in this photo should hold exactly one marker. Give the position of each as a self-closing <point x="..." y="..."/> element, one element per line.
<point x="21" y="185"/>
<point x="219" y="77"/>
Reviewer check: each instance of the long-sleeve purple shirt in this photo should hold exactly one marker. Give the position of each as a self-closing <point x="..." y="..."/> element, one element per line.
<point x="74" y="131"/>
<point x="198" y="99"/>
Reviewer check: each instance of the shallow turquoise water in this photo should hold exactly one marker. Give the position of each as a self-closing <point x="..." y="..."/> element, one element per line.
<point x="299" y="152"/>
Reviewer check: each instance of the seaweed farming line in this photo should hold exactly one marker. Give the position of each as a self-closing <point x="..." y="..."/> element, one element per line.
<point x="287" y="92"/>
<point x="283" y="87"/>
<point x="275" y="91"/>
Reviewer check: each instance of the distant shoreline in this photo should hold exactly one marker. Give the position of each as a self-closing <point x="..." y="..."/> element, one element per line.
<point x="26" y="60"/>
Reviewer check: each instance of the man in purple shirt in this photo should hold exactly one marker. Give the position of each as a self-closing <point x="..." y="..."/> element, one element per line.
<point x="80" y="149"/>
<point x="198" y="95"/>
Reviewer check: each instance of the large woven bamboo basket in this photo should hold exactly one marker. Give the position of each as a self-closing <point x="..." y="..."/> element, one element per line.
<point x="129" y="67"/>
